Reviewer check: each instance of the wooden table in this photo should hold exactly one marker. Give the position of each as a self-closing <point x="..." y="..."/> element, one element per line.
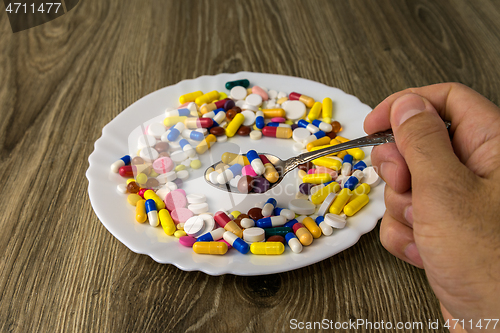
<point x="62" y="271"/>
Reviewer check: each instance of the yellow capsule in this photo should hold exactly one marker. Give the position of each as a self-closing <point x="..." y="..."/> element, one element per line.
<point x="363" y="188"/>
<point x="317" y="178"/>
<point x="313" y="228"/>
<point x="171" y="121"/>
<point x="327" y="113"/>
<point x="341" y="154"/>
<point x="355" y="205"/>
<point x="329" y="162"/>
<point x="270" y="173"/>
<point x="304" y="236"/>
<point x="271" y="113"/>
<point x="179" y="233"/>
<point x="234" y="228"/>
<point x="340" y="201"/>
<point x="308" y="101"/>
<point x="222" y="95"/>
<point x="207" y="98"/>
<point x="191" y="97"/>
<point x="283" y="132"/>
<point x="235" y="214"/>
<point x="230" y="158"/>
<point x="180" y="167"/>
<point x="133" y="199"/>
<point x="206" y="143"/>
<point x="166" y="221"/>
<point x="357" y="153"/>
<point x="267" y="248"/>
<point x="234" y="125"/>
<point x="282" y="100"/>
<point x="141" y="178"/>
<point x="150" y="194"/>
<point x="319" y="142"/>
<point x="210" y="247"/>
<point x="206" y="108"/>
<point x="314" y="112"/>
<point x="140" y="211"/>
<point x="320" y="196"/>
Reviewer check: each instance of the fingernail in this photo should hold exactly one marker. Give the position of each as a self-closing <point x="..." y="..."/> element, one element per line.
<point x="387" y="169"/>
<point x="409" y="215"/>
<point x="411" y="252"/>
<point x="406" y="107"/>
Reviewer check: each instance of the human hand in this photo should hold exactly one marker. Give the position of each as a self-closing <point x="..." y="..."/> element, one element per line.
<point x="442" y="198"/>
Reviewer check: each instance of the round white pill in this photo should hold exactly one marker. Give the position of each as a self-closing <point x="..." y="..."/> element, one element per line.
<point x="281" y="94"/>
<point x="300" y="134"/>
<point x="169" y="176"/>
<point x="301" y="206"/>
<point x="183" y="174"/>
<point x="239" y="103"/>
<point x="196" y="198"/>
<point x="162" y="192"/>
<point x="249" y="117"/>
<point x="238" y="92"/>
<point x="149" y="154"/>
<point x="254" y="234"/>
<point x="272" y="94"/>
<point x="247" y="106"/>
<point x="156" y="130"/>
<point x="254" y="99"/>
<point x="294" y="109"/>
<point x="178" y="156"/>
<point x="194" y="226"/>
<point x="209" y="223"/>
<point x="199" y="208"/>
<point x="326" y="204"/>
<point x="255" y="135"/>
<point x="121" y="188"/>
<point x="335" y="221"/>
<point x="371" y="177"/>
<point x="298" y="147"/>
<point x="146" y="141"/>
<point x="222" y="138"/>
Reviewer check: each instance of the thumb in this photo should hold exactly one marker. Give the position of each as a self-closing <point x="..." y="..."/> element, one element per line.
<point x="422" y="138"/>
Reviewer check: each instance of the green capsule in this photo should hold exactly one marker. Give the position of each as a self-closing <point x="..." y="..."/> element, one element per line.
<point x="279" y="231"/>
<point x="231" y="84"/>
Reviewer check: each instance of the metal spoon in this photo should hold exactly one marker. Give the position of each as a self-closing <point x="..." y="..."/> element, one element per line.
<point x="284" y="167"/>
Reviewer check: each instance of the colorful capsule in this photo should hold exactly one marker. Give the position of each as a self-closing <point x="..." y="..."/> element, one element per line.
<point x="167" y="223"/>
<point x="171" y="121"/>
<point x="327" y="111"/>
<point x="270" y="172"/>
<point x="223" y="220"/>
<point x="277" y="132"/>
<point x="236" y="242"/>
<point x="210" y="247"/>
<point x="204" y="145"/>
<point x="213" y="235"/>
<point x="198" y="122"/>
<point x="355" y="205"/>
<point x="340" y="201"/>
<point x="359" y="166"/>
<point x="302" y="234"/>
<point x="150" y="194"/>
<point x="318" y="143"/>
<point x="218" y="118"/>
<point x="127" y="171"/>
<point x="231" y="158"/>
<point x="243" y="82"/>
<point x="213" y="113"/>
<point x="351" y="182"/>
<point x="315" y="111"/>
<point x="256" y="162"/>
<point x="184" y="112"/>
<point x="152" y="212"/>
<point x="225" y="176"/>
<point x="357" y="153"/>
<point x="234" y="125"/>
<point x="191" y="97"/>
<point x="329" y="162"/>
<point x="140" y="211"/>
<point x="125" y="160"/>
<point x="270" y="222"/>
<point x="308" y="101"/>
<point x="346" y="165"/>
<point x="308" y="126"/>
<point x="259" y="120"/>
<point x="313" y="228"/>
<point x="269" y="206"/>
<point x="317" y="178"/>
<point x="287" y="213"/>
<point x="314" y="137"/>
<point x="325" y="127"/>
<point x="187" y="148"/>
<point x="293" y="242"/>
<point x="325" y="228"/>
<point x="267" y="248"/>
<point x="277" y="231"/>
<point x="193" y="135"/>
<point x="272" y="113"/>
<point x="207" y="98"/>
<point x="272" y="124"/>
<point x="363" y="188"/>
<point x="319" y="196"/>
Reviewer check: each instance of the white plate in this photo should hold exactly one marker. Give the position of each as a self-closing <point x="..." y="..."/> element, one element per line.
<point x="119" y="217"/>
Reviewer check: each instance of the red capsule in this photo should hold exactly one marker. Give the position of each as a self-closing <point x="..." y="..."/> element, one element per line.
<point x="222" y="219"/>
<point x="198" y="122"/>
<point x="277" y="132"/>
<point x="127" y="171"/>
<point x="220" y="104"/>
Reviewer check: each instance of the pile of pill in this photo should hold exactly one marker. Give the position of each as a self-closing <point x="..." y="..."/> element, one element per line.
<point x="333" y="187"/>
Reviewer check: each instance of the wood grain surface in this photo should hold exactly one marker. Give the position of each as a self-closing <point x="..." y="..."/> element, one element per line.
<point x="61" y="82"/>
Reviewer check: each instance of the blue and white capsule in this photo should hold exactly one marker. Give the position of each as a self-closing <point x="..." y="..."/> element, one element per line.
<point x="351" y="183"/>
<point x="125" y="160"/>
<point x="314" y="136"/>
<point x="152" y="212"/>
<point x="270" y="222"/>
<point x="325" y="228"/>
<point x="175" y="131"/>
<point x="213" y="113"/>
<point x="359" y="166"/>
<point x="184" y="112"/>
<point x="212" y="236"/>
<point x="346" y="165"/>
<point x="187" y="148"/>
<point x="293" y="242"/>
<point x="269" y="206"/>
<point x="325" y="127"/>
<point x="259" y="120"/>
<point x="273" y="124"/>
<point x="236" y="242"/>
<point x="290" y="223"/>
<point x="290" y="215"/>
<point x="256" y="162"/>
<point x="225" y="176"/>
<point x="308" y="126"/>
<point x="218" y="119"/>
<point x="193" y="135"/>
